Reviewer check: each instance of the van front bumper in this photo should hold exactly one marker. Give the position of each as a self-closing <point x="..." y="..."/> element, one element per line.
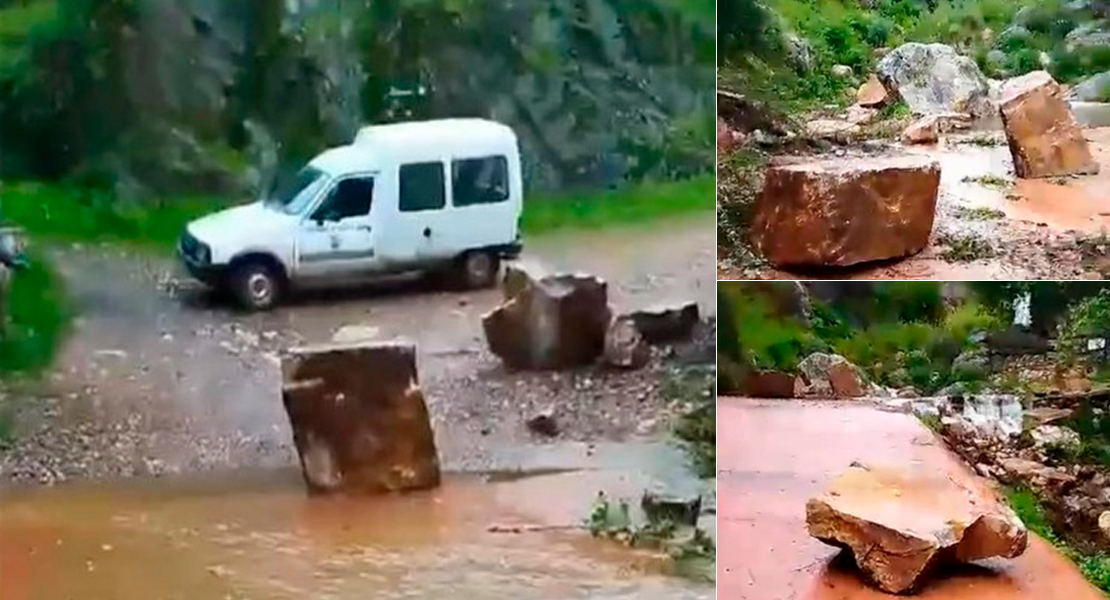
<point x="199" y="269"/>
<point x="511" y="251"/>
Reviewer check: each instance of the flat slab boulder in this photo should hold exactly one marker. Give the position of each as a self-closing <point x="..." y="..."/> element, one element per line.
<point x="549" y="321"/>
<point x="846" y="211"/>
<point x="1045" y="138"/>
<point x="904" y="524"/>
<point x="359" y="419"/>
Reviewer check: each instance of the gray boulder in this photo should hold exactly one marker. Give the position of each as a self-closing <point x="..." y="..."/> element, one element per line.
<point x="1093" y="89"/>
<point x="934" y="78"/>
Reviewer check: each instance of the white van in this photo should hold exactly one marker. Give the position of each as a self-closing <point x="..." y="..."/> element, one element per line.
<point x="434" y="196"/>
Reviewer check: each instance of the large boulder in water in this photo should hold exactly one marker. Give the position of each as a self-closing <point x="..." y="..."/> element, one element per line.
<point x="934" y="78"/>
<point x="359" y="419"/>
<point x="554" y="321"/>
<point x="846" y="211"/>
<point x="1045" y="139"/>
<point x="902" y="524"/>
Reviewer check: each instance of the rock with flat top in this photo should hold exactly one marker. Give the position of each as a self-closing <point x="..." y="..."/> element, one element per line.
<point x="925" y="130"/>
<point x="549" y="321"/>
<point x="903" y="524"/>
<point x="846" y="211"/>
<point x="662" y="324"/>
<point x="359" y="419"/>
<point x="1045" y="139"/>
<point x="872" y="94"/>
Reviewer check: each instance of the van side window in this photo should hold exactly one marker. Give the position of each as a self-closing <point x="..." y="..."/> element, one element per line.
<point x="350" y="198"/>
<point x="422" y="187"/>
<point x="480" y="180"/>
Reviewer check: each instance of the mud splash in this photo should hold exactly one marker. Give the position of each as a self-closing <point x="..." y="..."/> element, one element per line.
<point x="1004" y="228"/>
<point x="258" y="537"/>
<point x="766" y="477"/>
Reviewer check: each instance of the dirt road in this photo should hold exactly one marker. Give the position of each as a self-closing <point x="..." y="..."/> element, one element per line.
<point x="774" y="455"/>
<point x="161" y="378"/>
<point x="990" y="225"/>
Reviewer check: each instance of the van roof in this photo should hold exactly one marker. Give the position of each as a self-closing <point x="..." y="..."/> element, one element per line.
<point x="415" y="140"/>
<point x="437" y="133"/>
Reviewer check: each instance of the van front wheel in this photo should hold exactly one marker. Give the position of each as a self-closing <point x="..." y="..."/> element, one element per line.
<point x="256" y="285"/>
<point x="477" y="270"/>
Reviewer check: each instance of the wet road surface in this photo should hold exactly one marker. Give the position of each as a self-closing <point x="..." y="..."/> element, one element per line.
<point x="774" y="455"/>
<point x="160" y="378"/>
<point x="1030" y="227"/>
<point x="257" y="536"/>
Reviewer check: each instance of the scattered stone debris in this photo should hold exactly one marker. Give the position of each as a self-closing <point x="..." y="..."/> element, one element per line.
<point x="1045" y="139"/>
<point x="360" y="423"/>
<point x="549" y="321"/>
<point x="842" y="212"/>
<point x="903" y="525"/>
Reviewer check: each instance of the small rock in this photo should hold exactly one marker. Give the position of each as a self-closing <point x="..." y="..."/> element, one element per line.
<point x="544" y="423"/>
<point x="625" y="347"/>
<point x="842" y="71"/>
<point x="1104" y="524"/>
<point x="922" y="131"/>
<point x="872" y="94"/>
<point x="666" y="324"/>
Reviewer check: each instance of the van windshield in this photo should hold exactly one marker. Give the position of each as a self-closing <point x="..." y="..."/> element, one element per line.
<point x="292" y="193"/>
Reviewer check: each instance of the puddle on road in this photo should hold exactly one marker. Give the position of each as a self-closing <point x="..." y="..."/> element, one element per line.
<point x="260" y="538"/>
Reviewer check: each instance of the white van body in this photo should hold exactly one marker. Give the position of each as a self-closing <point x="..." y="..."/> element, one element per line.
<point x="444" y="193"/>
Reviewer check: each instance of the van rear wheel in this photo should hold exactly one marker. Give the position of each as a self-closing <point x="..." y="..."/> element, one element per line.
<point x="256" y="285"/>
<point x="478" y="270"/>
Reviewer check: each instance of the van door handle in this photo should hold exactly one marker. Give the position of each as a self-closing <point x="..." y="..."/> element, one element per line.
<point x="427" y="232"/>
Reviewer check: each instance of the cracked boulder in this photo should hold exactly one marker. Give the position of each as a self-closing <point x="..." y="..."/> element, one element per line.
<point x="846" y="211"/>
<point x="833" y="376"/>
<point x="1045" y="138"/>
<point x="549" y="321"/>
<point x="934" y="78"/>
<point x="902" y="525"/>
<point x="359" y="419"/>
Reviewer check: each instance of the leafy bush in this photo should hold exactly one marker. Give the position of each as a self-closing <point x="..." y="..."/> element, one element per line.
<point x="1088" y="318"/>
<point x="766" y="340"/>
<point x="38" y="320"/>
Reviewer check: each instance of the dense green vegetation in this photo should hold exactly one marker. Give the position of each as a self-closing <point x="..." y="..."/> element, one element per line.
<point x="900" y="333"/>
<point x="37" y="320"/>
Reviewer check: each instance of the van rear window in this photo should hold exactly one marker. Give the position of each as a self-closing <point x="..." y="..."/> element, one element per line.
<point x="422" y="187"/>
<point x="480" y="180"/>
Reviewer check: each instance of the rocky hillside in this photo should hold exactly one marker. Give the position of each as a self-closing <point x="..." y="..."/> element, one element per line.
<point x="164" y="96"/>
<point x="820" y="49"/>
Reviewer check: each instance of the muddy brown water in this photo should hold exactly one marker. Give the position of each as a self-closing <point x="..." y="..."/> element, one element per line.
<point x="766" y="475"/>
<point x="258" y="536"/>
<point x="1034" y="223"/>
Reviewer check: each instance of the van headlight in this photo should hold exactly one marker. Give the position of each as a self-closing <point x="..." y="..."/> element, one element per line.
<point x="195" y="250"/>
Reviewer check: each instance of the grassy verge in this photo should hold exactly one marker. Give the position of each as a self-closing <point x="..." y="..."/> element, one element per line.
<point x="1096" y="568"/>
<point x="84" y="215"/>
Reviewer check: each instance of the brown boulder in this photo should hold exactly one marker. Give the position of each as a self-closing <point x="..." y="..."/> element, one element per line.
<point x="925" y="130"/>
<point x="665" y="324"/>
<point x="872" y="94"/>
<point x="847" y="211"/>
<point x="1045" y="139"/>
<point x="359" y="419"/>
<point x="769" y="384"/>
<point x="901" y="525"/>
<point x="834" y="373"/>
<point x="625" y="347"/>
<point x="549" y="321"/>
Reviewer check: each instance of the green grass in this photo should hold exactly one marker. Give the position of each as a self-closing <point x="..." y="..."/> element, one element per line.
<point x="639" y="203"/>
<point x="1096" y="567"/>
<point x="74" y="214"/>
